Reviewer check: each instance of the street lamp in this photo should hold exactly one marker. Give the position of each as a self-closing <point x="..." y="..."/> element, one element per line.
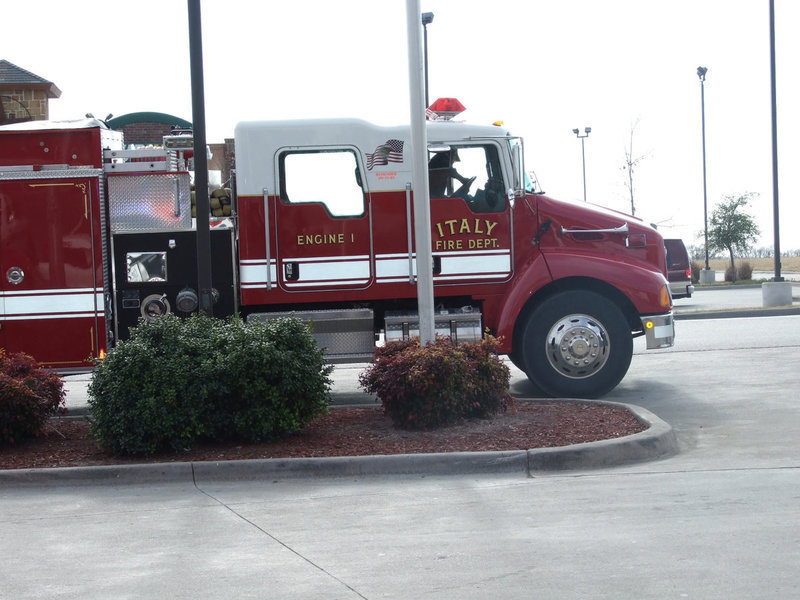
<point x="427" y="19"/>
<point x="586" y="132"/>
<point x="777" y="292"/>
<point x="773" y="95"/>
<point x="701" y="73"/>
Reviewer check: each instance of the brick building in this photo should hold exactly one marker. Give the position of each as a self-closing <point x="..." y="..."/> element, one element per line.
<point x="149" y="128"/>
<point x="146" y="128"/>
<point x="24" y="96"/>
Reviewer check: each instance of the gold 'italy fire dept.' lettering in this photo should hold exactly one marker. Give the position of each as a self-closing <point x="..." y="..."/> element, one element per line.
<point x="450" y="233"/>
<point x="465" y="226"/>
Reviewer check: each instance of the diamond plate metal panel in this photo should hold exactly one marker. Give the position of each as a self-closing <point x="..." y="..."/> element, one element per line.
<point x="149" y="202"/>
<point x="339" y="332"/>
<point x="460" y="327"/>
<point x="9" y="173"/>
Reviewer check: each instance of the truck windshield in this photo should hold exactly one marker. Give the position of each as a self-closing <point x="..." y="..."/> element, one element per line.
<point x="532" y="184"/>
<point x="529" y="180"/>
<point x="517" y="164"/>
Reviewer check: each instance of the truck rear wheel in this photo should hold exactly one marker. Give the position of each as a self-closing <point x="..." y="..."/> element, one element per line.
<point x="576" y="344"/>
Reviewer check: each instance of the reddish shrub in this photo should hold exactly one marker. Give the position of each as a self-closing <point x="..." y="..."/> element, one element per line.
<point x="425" y="388"/>
<point x="29" y="396"/>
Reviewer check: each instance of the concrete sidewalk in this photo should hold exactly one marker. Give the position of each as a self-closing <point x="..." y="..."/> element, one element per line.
<point x="713" y="521"/>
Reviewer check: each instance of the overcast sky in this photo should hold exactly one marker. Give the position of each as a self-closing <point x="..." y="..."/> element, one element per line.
<point x="543" y="67"/>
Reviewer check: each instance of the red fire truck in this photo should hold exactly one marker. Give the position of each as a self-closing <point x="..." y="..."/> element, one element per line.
<point x="94" y="238"/>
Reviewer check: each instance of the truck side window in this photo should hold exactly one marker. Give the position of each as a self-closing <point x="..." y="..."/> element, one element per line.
<point x="469" y="172"/>
<point x="329" y="177"/>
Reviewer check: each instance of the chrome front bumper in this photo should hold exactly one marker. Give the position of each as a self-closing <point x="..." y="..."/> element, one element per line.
<point x="659" y="331"/>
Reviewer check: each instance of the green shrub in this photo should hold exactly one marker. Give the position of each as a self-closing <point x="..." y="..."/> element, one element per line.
<point x="152" y="391"/>
<point x="276" y="377"/>
<point x="177" y="381"/>
<point x="439" y="384"/>
<point x="29" y="396"/>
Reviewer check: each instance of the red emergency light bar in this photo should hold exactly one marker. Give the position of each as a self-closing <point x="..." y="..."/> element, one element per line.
<point x="446" y="108"/>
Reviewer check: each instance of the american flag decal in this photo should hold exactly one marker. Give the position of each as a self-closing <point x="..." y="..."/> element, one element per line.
<point x="391" y="151"/>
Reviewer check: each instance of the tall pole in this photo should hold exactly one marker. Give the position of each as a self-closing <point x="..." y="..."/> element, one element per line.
<point x="427" y="19"/>
<point x="200" y="158"/>
<point x="582" y="138"/>
<point x="774" y="141"/>
<point x="583" y="161"/>
<point x="701" y="73"/>
<point x="419" y="176"/>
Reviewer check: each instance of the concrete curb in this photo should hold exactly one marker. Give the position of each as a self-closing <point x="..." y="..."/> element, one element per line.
<point x="99" y="475"/>
<point x="738" y="313"/>
<point x="658" y="441"/>
<point x="447" y="463"/>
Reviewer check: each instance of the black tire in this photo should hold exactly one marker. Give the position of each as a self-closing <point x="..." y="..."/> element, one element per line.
<point x="515" y="360"/>
<point x="576" y="344"/>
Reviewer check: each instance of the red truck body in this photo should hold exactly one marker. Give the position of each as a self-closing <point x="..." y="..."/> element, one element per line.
<point x="94" y="237"/>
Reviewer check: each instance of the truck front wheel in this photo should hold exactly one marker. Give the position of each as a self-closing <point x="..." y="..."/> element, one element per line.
<point x="576" y="344"/>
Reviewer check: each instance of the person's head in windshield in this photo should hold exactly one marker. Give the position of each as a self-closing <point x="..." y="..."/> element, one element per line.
<point x="441" y="172"/>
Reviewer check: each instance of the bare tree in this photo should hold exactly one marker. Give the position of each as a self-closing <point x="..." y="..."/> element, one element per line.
<point x="631" y="163"/>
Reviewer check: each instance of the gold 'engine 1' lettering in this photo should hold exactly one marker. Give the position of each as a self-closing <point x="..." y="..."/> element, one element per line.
<point x="323" y="239"/>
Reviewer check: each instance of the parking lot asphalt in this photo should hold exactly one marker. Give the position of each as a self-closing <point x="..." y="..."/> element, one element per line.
<point x="657" y="441"/>
<point x="715" y="521"/>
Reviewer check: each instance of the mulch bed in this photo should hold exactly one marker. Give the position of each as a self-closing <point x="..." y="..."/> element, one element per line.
<point x="353" y="431"/>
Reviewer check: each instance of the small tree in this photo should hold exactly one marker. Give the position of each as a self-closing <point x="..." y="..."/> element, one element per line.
<point x="731" y="228"/>
<point x="631" y="163"/>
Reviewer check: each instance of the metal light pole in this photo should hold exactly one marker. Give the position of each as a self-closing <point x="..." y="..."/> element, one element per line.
<point x="777" y="292"/>
<point x="200" y="158"/>
<point x="427" y="19"/>
<point x="419" y="176"/>
<point x="773" y="95"/>
<point x="701" y="73"/>
<point x="586" y="132"/>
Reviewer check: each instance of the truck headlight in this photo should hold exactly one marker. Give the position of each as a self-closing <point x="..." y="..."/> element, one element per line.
<point x="665" y="299"/>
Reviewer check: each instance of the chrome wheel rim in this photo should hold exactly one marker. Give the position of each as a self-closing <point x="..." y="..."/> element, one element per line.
<point x="577" y="346"/>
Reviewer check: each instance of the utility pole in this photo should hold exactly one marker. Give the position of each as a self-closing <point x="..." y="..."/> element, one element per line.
<point x="427" y="19"/>
<point x="419" y="164"/>
<point x="582" y="138"/>
<point x="200" y="159"/>
<point x="701" y="73"/>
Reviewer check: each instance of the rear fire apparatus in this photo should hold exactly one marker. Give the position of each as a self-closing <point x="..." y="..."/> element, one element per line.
<point x="94" y="237"/>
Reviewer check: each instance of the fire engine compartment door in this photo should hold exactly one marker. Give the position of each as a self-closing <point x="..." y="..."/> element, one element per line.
<point x="152" y="269"/>
<point x="322" y="221"/>
<point x="51" y="290"/>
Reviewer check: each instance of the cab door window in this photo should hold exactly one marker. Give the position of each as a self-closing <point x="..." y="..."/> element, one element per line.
<point x="472" y="173"/>
<point x="328" y="177"/>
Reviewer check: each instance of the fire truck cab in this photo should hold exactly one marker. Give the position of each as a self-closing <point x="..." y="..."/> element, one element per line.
<point x="95" y="238"/>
